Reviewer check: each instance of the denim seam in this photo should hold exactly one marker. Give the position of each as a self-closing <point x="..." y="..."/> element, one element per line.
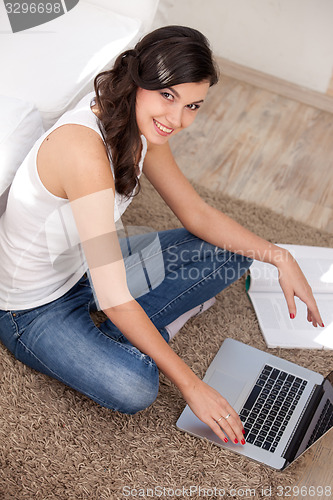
<point x="15" y="325"/>
<point x="190" y="288"/>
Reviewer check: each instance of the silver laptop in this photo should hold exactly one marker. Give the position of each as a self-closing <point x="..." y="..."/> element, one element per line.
<point x="284" y="407"/>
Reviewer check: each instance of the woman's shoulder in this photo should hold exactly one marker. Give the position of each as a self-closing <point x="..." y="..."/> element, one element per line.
<point x="71" y="141"/>
<point x="77" y="135"/>
<point x="69" y="152"/>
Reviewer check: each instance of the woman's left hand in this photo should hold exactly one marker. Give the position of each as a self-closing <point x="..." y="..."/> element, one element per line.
<point x="294" y="284"/>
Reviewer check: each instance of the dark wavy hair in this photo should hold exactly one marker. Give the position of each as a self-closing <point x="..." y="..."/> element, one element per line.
<point x="165" y="57"/>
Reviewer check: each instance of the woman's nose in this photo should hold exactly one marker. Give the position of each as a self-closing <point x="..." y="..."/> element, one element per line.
<point x="175" y="116"/>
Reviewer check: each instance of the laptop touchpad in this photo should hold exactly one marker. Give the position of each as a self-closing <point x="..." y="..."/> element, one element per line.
<point x="228" y="386"/>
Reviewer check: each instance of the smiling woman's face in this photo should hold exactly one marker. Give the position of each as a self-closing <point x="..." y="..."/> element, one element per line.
<point x="161" y="114"/>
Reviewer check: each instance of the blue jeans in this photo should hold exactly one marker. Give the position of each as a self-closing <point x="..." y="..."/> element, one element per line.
<point x="61" y="340"/>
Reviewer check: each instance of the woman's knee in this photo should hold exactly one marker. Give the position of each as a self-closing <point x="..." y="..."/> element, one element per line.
<point x="132" y="392"/>
<point x="136" y="401"/>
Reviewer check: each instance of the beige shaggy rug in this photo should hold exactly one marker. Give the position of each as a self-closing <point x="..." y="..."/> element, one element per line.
<point x="57" y="444"/>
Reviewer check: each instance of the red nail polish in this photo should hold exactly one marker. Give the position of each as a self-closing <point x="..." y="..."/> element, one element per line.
<point x="243" y="431"/>
<point x="243" y="441"/>
<point x="225" y="440"/>
<point x="236" y="441"/>
<point x="323" y="325"/>
<point x="292" y="316"/>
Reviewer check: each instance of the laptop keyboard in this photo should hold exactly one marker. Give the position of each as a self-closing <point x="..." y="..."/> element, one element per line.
<point x="325" y="422"/>
<point x="269" y="407"/>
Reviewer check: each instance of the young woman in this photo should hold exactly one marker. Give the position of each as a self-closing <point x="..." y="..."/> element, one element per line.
<point x="61" y="257"/>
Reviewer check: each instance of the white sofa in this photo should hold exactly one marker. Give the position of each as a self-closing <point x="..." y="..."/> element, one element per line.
<point x="46" y="70"/>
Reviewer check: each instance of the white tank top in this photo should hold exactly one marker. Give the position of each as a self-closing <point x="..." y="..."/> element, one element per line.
<point x="40" y="253"/>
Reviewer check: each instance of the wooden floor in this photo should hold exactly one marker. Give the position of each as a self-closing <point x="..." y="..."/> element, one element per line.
<point x="257" y="146"/>
<point x="316" y="470"/>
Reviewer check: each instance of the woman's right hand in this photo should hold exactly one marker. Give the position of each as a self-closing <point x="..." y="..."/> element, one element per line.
<point x="209" y="406"/>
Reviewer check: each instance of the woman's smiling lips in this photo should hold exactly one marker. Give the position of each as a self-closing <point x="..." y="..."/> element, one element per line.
<point x="162" y="129"/>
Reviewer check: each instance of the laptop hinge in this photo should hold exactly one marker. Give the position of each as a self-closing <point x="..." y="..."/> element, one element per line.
<point x="303" y="424"/>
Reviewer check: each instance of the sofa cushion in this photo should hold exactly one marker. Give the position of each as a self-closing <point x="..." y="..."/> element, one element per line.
<point x="53" y="65"/>
<point x="20" y="126"/>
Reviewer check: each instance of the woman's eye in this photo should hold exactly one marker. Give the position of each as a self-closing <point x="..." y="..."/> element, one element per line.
<point x="166" y="95"/>
<point x="193" y="107"/>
